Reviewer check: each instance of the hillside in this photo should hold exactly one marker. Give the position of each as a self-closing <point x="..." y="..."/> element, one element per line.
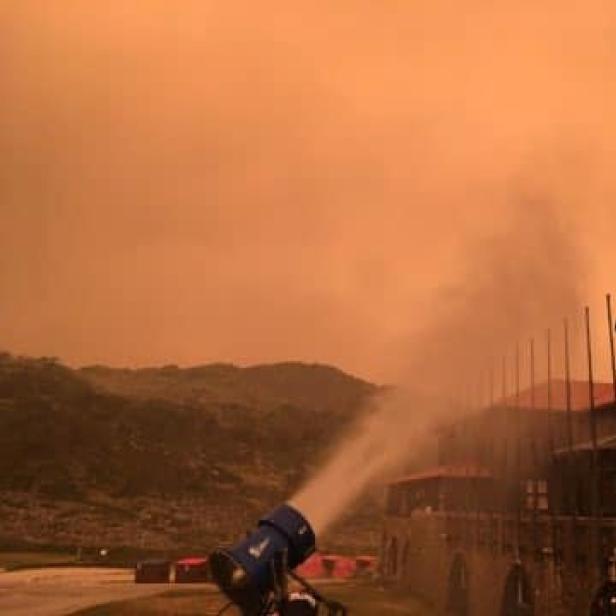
<point x="317" y="387"/>
<point x="169" y="452"/>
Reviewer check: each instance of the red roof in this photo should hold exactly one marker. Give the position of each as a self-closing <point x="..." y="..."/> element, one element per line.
<point x="327" y="565"/>
<point x="366" y="563"/>
<point x="192" y="561"/>
<point x="365" y="558"/>
<point x="537" y="397"/>
<point x="312" y="567"/>
<point x="463" y="471"/>
<point x="342" y="566"/>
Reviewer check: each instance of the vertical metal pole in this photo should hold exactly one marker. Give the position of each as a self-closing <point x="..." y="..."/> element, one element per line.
<point x="517" y="375"/>
<point x="479" y="455"/>
<point x="518" y="453"/>
<point x="533" y="400"/>
<point x="569" y="469"/>
<point x="491" y="385"/>
<point x="591" y="382"/>
<point x="505" y="450"/>
<point x="504" y="455"/>
<point x="465" y="461"/>
<point x="610" y="325"/>
<point x="568" y="390"/>
<point x="533" y="445"/>
<point x="532" y="373"/>
<point x="570" y="465"/>
<point x="490" y="436"/>
<point x="504" y="377"/>
<point x="550" y="435"/>
<point x="550" y="462"/>
<point x="595" y="504"/>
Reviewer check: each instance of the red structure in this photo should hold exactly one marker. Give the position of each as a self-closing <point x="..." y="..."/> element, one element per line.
<point x="312" y="568"/>
<point x="340" y="567"/>
<point x="529" y="524"/>
<point x="192" y="570"/>
<point x="365" y="565"/>
<point x="336" y="566"/>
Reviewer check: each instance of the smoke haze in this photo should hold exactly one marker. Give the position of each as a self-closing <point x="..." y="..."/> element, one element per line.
<point x="515" y="282"/>
<point x="254" y="182"/>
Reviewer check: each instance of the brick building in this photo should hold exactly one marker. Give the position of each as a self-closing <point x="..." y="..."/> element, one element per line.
<point x="519" y="515"/>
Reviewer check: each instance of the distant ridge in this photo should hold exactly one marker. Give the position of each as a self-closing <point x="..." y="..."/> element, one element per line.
<point x="168" y="429"/>
<point x="319" y="387"/>
<point x="161" y="457"/>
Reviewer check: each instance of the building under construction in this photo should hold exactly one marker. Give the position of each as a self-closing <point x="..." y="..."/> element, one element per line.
<point x="519" y="514"/>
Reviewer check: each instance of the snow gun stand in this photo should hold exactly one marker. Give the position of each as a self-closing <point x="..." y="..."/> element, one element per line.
<point x="303" y="600"/>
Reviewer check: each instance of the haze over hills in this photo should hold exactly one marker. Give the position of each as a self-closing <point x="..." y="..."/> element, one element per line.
<point x="315" y="386"/>
<point x="160" y="456"/>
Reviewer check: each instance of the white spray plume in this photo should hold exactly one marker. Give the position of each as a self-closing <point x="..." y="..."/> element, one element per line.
<point x="516" y="282"/>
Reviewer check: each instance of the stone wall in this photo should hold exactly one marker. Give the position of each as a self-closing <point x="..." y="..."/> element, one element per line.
<point x="418" y="552"/>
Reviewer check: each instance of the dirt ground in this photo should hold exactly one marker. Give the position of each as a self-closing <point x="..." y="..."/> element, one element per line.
<point x="60" y="591"/>
<point x="361" y="599"/>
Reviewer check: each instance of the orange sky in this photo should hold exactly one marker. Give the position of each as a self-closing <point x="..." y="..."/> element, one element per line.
<point x="251" y="182"/>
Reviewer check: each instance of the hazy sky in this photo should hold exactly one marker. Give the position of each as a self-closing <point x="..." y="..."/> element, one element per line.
<point x="260" y="181"/>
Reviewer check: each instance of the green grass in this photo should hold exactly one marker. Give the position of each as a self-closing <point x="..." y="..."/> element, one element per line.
<point x="362" y="599"/>
<point x="27" y="560"/>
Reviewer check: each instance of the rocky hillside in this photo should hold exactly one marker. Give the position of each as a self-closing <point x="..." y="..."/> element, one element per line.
<point x="98" y="441"/>
<point x="319" y="388"/>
